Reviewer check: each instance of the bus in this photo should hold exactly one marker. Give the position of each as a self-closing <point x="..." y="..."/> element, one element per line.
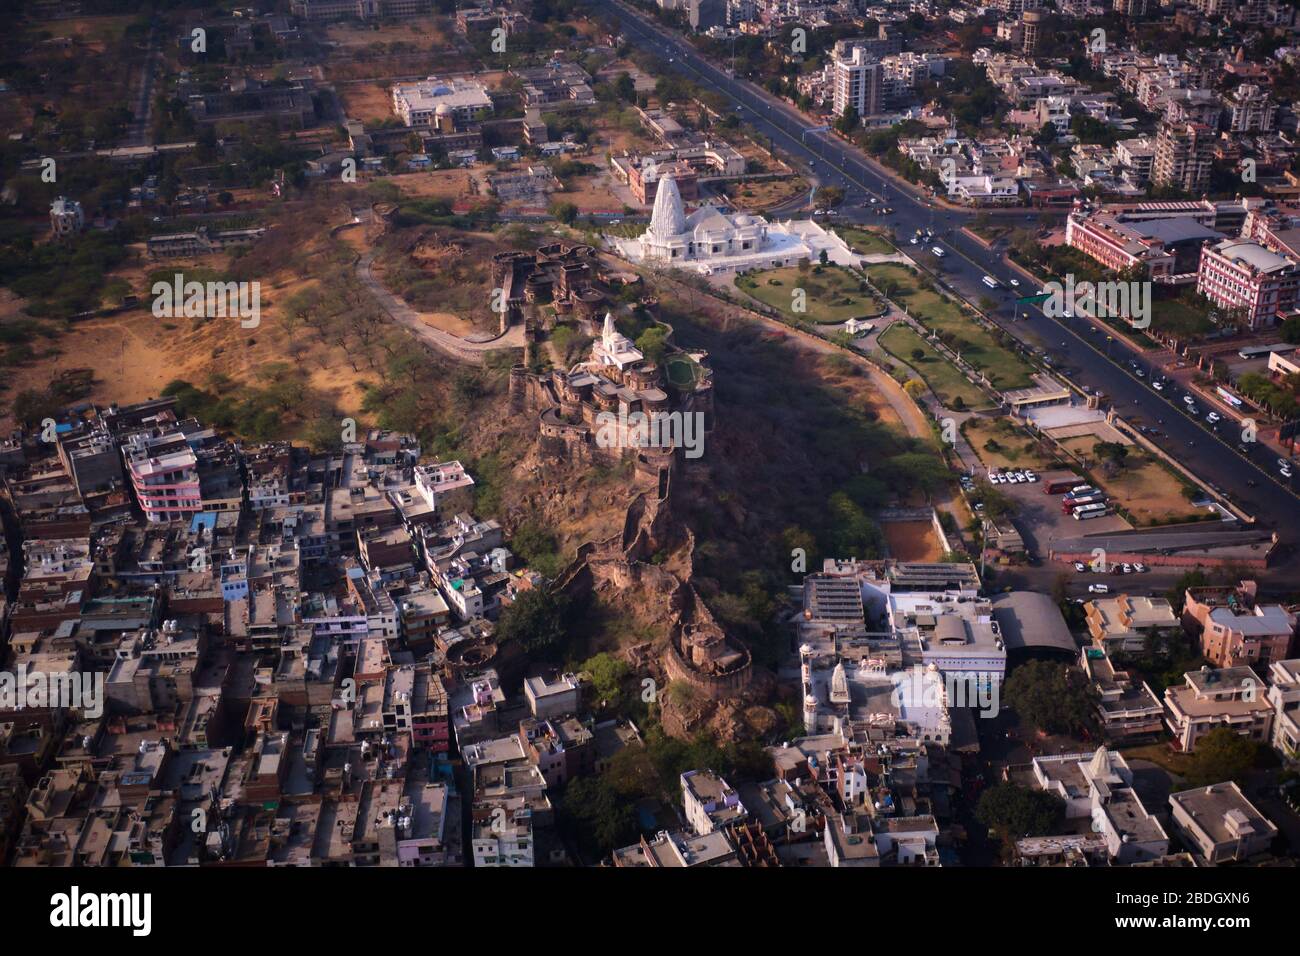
<point x="992" y="283"/>
<point x="1228" y="397"/>
<point x="1061" y="485"/>
<point x="1080" y="491"/>
<point x="1068" y="506"/>
<point x="1085" y="512"/>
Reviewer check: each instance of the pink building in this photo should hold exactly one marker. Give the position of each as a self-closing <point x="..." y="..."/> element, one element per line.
<point x="1239" y="274"/>
<point x="165" y="476"/>
<point x="1235" y="630"/>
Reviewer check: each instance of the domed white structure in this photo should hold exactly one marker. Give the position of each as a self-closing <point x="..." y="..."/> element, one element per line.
<point x="709" y="241"/>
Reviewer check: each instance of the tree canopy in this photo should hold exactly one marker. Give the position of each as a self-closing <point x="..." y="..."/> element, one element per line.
<point x="1051" y="696"/>
<point x="1016" y="812"/>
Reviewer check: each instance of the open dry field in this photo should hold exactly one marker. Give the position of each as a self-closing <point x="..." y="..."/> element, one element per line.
<point x="764" y="193"/>
<point x="449" y="184"/>
<point x="1144" y="487"/>
<point x="912" y="540"/>
<point x="135" y="354"/>
<point x="592" y="194"/>
<point x="366" y="101"/>
<point x="423" y="32"/>
<point x="1001" y="444"/>
<point x="96" y="32"/>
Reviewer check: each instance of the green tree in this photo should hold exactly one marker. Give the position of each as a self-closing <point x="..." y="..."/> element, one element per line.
<point x="1220" y="756"/>
<point x="597" y="816"/>
<point x="1051" y="696"/>
<point x="607" y="674"/>
<point x="653" y="343"/>
<point x="848" y="120"/>
<point x="565" y="212"/>
<point x="536" y="619"/>
<point x="1016" y="812"/>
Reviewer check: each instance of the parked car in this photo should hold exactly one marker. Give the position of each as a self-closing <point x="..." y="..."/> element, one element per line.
<point x="1098" y="589"/>
<point x="1080" y="567"/>
<point x="1140" y="568"/>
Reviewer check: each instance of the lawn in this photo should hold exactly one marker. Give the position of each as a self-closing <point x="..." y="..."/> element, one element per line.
<point x="944" y="378"/>
<point x="865" y="242"/>
<point x="1012" y="447"/>
<point x="1004" y="368"/>
<point x="832" y="293"/>
<point x="1145" y="487"/>
<point x="682" y="371"/>
<point x="1162" y="756"/>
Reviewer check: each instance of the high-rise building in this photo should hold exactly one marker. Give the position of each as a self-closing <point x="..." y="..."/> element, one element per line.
<point x="1250" y="110"/>
<point x="1130" y="8"/>
<point x="1031" y="22"/>
<point x="859" y="81"/>
<point x="1184" y="154"/>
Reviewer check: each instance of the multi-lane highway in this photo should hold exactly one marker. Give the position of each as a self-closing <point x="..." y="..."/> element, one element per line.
<point x="1095" y="361"/>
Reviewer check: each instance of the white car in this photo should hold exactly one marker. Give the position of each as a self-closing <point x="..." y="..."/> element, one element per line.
<point x="1140" y="568"/>
<point x="1015" y="283"/>
<point x="1188" y="400"/>
<point x="1284" y="472"/>
<point x="1158" y="386"/>
<point x="1214" y="418"/>
<point x="1080" y="566"/>
<point x="1098" y="589"/>
<point x="995" y="478"/>
<point x="1283" y="463"/>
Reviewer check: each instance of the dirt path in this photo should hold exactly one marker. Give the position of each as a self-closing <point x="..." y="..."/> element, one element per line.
<point x="454" y="346"/>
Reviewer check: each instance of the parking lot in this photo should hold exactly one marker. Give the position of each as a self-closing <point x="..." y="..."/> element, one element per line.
<point x="1040" y="520"/>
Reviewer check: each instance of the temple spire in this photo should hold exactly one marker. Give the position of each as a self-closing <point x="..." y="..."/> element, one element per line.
<point x="668" y="218"/>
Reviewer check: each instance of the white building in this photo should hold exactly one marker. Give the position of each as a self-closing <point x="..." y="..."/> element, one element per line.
<point x="505" y="839"/>
<point x="1219" y="824"/>
<point x="66" y="218"/>
<point x="420" y="104"/>
<point x="614" y="348"/>
<point x="708" y="241"/>
<point x="436" y="481"/>
<point x="1100" y="786"/>
<point x="710" y="802"/>
<point x="859" y="82"/>
<point x="1284" y="695"/>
